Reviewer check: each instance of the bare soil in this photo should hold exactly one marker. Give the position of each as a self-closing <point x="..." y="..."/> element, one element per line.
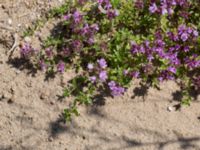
<point x="30" y="108"/>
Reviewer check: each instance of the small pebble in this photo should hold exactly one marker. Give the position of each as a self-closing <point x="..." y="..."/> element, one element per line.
<point x="44" y="95"/>
<point x="10" y="101"/>
<point x="170" y="108"/>
<point x="10" y="21"/>
<point x="50" y="139"/>
<point x="52" y="103"/>
<point x="27" y="39"/>
<point x="3" y="6"/>
<point x="7" y="95"/>
<point x="17" y="71"/>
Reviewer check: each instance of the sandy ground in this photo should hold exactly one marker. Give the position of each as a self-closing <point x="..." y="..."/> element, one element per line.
<point x="30" y="106"/>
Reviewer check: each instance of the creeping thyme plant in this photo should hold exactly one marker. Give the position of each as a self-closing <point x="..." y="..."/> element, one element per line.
<point x="112" y="42"/>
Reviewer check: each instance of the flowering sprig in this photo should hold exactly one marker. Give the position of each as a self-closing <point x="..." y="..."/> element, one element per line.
<point x="112" y="42"/>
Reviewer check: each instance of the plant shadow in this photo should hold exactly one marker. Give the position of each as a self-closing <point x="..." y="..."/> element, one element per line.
<point x="111" y="141"/>
<point x="141" y="91"/>
<point x="23" y="64"/>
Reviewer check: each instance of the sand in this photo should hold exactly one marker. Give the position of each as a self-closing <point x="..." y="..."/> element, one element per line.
<point x="30" y="108"/>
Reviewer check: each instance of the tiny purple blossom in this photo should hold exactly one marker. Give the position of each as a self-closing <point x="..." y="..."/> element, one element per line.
<point x="103" y="76"/>
<point x="153" y="8"/>
<point x="49" y="52"/>
<point x="195" y="33"/>
<point x="42" y="64"/>
<point x="95" y="27"/>
<point x="115" y="89"/>
<point x="66" y="52"/>
<point x="172" y="69"/>
<point x="135" y="74"/>
<point x="93" y="79"/>
<point x="67" y="17"/>
<point x="112" y="14"/>
<point x="164" y="10"/>
<point x="77" y="17"/>
<point x="186" y="49"/>
<point x="184" y="37"/>
<point x="61" y="67"/>
<point x="90" y="66"/>
<point x="125" y="72"/>
<point x="102" y="63"/>
<point x="27" y="50"/>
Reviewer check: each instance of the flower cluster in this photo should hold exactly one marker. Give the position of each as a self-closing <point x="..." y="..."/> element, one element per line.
<point x="98" y="71"/>
<point x="154" y="40"/>
<point x="167" y="6"/>
<point x="27" y="50"/>
<point x="116" y="90"/>
<point x="105" y="6"/>
<point x="169" y="48"/>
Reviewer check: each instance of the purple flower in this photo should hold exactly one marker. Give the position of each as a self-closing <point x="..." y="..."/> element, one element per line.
<point x="77" y="45"/>
<point x="184" y="37"/>
<point x="135" y="48"/>
<point x="195" y="33"/>
<point x="27" y="50"/>
<point x="42" y="64"/>
<point x="172" y="69"/>
<point x="66" y="52"/>
<point x="186" y="49"/>
<point x="90" y="41"/>
<point x="139" y="4"/>
<point x="165" y="75"/>
<point x="102" y="63"/>
<point x="135" y="74"/>
<point x="153" y="8"/>
<point x="61" y="67"/>
<point x="181" y="29"/>
<point x="93" y="79"/>
<point x="112" y="14"/>
<point x="189" y="30"/>
<point x="192" y="62"/>
<point x="49" y="52"/>
<point x="164" y="10"/>
<point x="95" y="27"/>
<point x="90" y="66"/>
<point x="103" y="76"/>
<point x="77" y="17"/>
<point x="85" y="30"/>
<point x="170" y="11"/>
<point x="125" y="72"/>
<point x="115" y="89"/>
<point x="67" y="17"/>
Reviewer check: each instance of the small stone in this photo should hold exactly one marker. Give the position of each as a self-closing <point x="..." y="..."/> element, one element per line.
<point x="170" y="108"/>
<point x="50" y="139"/>
<point x="10" y="101"/>
<point x="84" y="137"/>
<point x="44" y="95"/>
<point x="7" y="95"/>
<point x="17" y="71"/>
<point x="27" y="39"/>
<point x="10" y="21"/>
<point x="3" y="6"/>
<point x="52" y="103"/>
